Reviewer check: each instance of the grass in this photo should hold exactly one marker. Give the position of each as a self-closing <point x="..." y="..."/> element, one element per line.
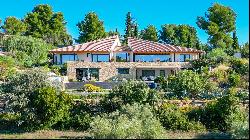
<point x="54" y="134"/>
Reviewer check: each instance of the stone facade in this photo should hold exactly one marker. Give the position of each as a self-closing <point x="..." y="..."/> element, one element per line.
<point x="108" y="70"/>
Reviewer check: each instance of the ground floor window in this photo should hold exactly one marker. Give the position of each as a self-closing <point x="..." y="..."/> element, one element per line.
<point x="123" y="70"/>
<point x="162" y="73"/>
<point x="87" y="74"/>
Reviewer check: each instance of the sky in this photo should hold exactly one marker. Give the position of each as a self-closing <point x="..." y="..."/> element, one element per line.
<point x="113" y="12"/>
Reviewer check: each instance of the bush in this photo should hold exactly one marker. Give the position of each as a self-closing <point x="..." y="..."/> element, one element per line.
<point x="26" y="50"/>
<point x="6" y="67"/>
<point x="20" y="86"/>
<point x="47" y="108"/>
<point x="92" y="88"/>
<point x="240" y="66"/>
<point x="219" y="115"/>
<point x="188" y="81"/>
<point x="132" y="121"/>
<point x="234" y="79"/>
<point x="240" y="130"/>
<point x="80" y="117"/>
<point x="8" y="121"/>
<point x="172" y="118"/>
<point x="128" y="93"/>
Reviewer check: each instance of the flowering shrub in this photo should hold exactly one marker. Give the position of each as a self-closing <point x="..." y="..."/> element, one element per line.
<point x="92" y="88"/>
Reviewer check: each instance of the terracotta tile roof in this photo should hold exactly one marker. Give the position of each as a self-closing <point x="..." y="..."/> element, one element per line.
<point x="145" y="46"/>
<point x="135" y="45"/>
<point x="101" y="45"/>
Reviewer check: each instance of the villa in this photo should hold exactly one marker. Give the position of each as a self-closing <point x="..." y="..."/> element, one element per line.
<point x="107" y="59"/>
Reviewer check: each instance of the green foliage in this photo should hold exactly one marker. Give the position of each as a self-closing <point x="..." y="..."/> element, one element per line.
<point x="27" y="51"/>
<point x="8" y="121"/>
<point x="180" y="35"/>
<point x="20" y="86"/>
<point x="132" y="121"/>
<point x="240" y="66"/>
<point x="80" y="117"/>
<point x="14" y="26"/>
<point x="240" y="130"/>
<point x="218" y="55"/>
<point x="43" y="23"/>
<point x="47" y="108"/>
<point x="91" y="88"/>
<point x="131" y="29"/>
<point x="172" y="118"/>
<point x="245" y="50"/>
<point x="112" y="33"/>
<point x="149" y="33"/>
<point x="128" y="93"/>
<point x="188" y="81"/>
<point x="234" y="79"/>
<point x="6" y="67"/>
<point x="91" y="28"/>
<point x="220" y="114"/>
<point x="235" y="45"/>
<point x="219" y="22"/>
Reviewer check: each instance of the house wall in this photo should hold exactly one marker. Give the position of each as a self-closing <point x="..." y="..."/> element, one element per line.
<point x="108" y="70"/>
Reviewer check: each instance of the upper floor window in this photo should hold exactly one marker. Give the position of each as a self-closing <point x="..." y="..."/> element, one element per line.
<point x="184" y="57"/>
<point x="65" y="57"/>
<point x="122" y="57"/>
<point x="100" y="57"/>
<point x="153" y="58"/>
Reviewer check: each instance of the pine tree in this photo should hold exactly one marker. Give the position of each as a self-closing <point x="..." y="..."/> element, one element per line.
<point x="235" y="41"/>
<point x="129" y="28"/>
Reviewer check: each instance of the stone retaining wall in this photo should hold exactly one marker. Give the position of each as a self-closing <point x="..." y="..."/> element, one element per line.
<point x="108" y="70"/>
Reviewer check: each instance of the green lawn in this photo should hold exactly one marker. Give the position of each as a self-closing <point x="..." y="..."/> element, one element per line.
<point x="54" y="134"/>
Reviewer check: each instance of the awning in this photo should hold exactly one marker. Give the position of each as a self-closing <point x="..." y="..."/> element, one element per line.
<point x="160" y="67"/>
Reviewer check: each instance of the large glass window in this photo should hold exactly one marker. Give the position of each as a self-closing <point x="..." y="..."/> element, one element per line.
<point x="123" y="70"/>
<point x="122" y="57"/>
<point x="67" y="57"/>
<point x="100" y="57"/>
<point x="152" y="58"/>
<point x="184" y="57"/>
<point x="85" y="74"/>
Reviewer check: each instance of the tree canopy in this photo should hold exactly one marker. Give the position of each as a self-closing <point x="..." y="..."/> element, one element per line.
<point x="219" y="23"/>
<point x="181" y="35"/>
<point x="131" y="29"/>
<point x="27" y="51"/>
<point x="149" y="33"/>
<point x="91" y="28"/>
<point x="13" y="26"/>
<point x="43" y="23"/>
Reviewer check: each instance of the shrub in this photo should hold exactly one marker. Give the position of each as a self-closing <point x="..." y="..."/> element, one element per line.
<point x="6" y="67"/>
<point x="240" y="66"/>
<point x="8" y="121"/>
<point x="80" y="117"/>
<point x="91" y="88"/>
<point x="240" y="130"/>
<point x="128" y="93"/>
<point x="172" y="118"/>
<point x="188" y="81"/>
<point x="219" y="115"/>
<point x="26" y="50"/>
<point x="47" y="108"/>
<point x="234" y="79"/>
<point x="132" y="121"/>
<point x="20" y="86"/>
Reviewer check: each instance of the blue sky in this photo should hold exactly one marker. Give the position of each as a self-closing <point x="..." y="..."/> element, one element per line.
<point x="112" y="12"/>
